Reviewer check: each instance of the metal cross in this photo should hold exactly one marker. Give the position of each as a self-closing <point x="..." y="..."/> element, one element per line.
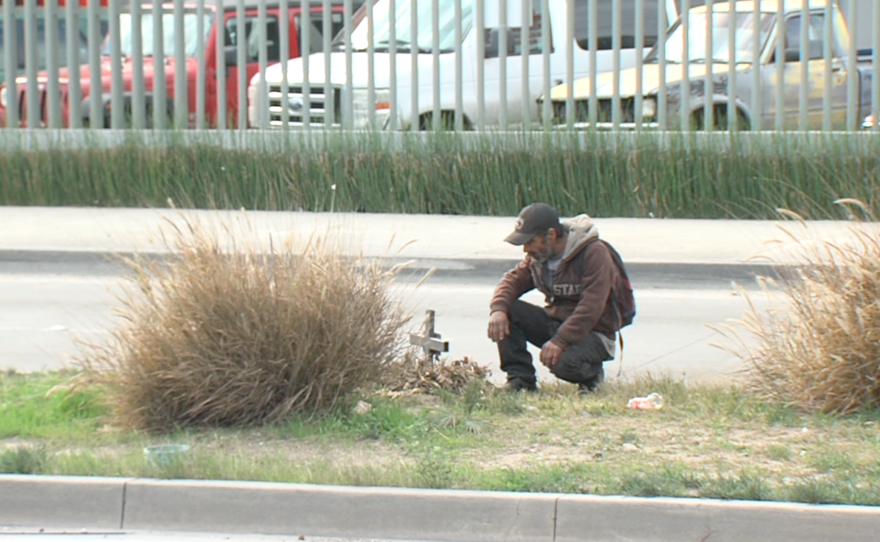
<point x="429" y="341"/>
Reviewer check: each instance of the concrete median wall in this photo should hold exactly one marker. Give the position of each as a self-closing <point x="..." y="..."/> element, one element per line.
<point x="414" y="514"/>
<point x="592" y="518"/>
<point x="62" y="501"/>
<point x="339" y="511"/>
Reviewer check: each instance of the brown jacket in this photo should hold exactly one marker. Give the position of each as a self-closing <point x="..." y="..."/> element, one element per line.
<point x="582" y="285"/>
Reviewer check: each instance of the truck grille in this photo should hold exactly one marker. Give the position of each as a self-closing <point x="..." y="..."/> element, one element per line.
<point x="321" y="106"/>
<point x="22" y="106"/>
<point x="603" y="115"/>
<point x="44" y="107"/>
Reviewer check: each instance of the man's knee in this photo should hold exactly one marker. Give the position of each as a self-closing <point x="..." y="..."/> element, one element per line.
<point x="522" y="311"/>
<point x="581" y="361"/>
<point x="575" y="371"/>
<point x="532" y="321"/>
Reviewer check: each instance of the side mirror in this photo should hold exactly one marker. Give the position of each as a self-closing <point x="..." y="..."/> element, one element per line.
<point x="231" y="54"/>
<point x="492" y="40"/>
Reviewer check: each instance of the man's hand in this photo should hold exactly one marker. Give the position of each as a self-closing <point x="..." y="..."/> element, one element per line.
<point x="550" y="353"/>
<point x="499" y="326"/>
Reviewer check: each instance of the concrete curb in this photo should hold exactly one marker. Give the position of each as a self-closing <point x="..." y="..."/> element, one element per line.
<point x="340" y="511"/>
<point x="62" y="501"/>
<point x="415" y="514"/>
<point x="688" y="273"/>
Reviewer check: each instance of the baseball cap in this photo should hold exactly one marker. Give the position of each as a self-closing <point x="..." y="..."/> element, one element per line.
<point x="534" y="219"/>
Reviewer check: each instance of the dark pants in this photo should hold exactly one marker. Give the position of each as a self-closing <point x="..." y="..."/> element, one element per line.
<point x="579" y="363"/>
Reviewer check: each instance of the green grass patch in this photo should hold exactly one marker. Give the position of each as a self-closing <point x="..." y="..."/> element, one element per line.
<point x="711" y="442"/>
<point x="48" y="405"/>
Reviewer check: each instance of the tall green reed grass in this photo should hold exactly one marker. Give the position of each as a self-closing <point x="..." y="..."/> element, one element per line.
<point x="623" y="175"/>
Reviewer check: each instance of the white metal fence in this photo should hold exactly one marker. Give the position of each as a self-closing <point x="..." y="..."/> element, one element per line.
<point x="440" y="64"/>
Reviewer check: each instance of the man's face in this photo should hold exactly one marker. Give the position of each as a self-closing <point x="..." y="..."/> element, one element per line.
<point x="539" y="247"/>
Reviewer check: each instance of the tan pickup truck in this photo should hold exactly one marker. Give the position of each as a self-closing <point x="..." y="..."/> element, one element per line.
<point x="822" y="58"/>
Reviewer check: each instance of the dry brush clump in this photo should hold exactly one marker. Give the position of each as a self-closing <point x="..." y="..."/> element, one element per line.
<point x="821" y="350"/>
<point x="222" y="335"/>
<point x="414" y="376"/>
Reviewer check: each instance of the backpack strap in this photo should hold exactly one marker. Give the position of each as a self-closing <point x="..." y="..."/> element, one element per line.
<point x="616" y="257"/>
<point x="579" y="266"/>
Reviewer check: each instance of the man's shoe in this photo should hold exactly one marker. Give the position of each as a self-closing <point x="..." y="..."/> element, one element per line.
<point x="520" y="384"/>
<point x="591" y="384"/>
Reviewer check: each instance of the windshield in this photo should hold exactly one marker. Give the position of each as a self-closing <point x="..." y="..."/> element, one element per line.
<point x="190" y="33"/>
<point x="42" y="46"/>
<point x="403" y="26"/>
<point x="744" y="47"/>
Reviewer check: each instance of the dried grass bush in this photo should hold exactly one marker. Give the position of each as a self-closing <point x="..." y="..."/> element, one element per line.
<point x="225" y="335"/>
<point x="821" y="350"/>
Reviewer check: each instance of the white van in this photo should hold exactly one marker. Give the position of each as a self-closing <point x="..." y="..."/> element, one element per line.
<point x="351" y="106"/>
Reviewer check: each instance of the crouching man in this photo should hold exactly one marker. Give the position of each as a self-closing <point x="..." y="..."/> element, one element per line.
<point x="576" y="329"/>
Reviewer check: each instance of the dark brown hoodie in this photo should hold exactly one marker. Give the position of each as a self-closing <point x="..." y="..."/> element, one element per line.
<point x="582" y="285"/>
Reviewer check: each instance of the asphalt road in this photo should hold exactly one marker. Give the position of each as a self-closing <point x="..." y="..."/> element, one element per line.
<point x="48" y="305"/>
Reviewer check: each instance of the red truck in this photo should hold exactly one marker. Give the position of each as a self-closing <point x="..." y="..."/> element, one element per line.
<point x="230" y="25"/>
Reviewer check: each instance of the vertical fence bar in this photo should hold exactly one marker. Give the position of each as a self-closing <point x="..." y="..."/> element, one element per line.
<point x="852" y="71"/>
<point x="305" y="51"/>
<point x="371" y="68"/>
<point x="459" y="71"/>
<point x="53" y="91"/>
<point x="757" y="67"/>
<point x="481" y="62"/>
<point x="875" y="68"/>
<point x="780" y="68"/>
<point x="415" y="124"/>
<point x="10" y="59"/>
<point x="31" y="59"/>
<point x="502" y="64"/>
<point x="200" y="59"/>
<point x="262" y="92"/>
<point x="708" y="87"/>
<point x="593" y="41"/>
<point x="349" y="78"/>
<point x="435" y="64"/>
<point x="330" y="111"/>
<point x="545" y="61"/>
<point x="638" y="99"/>
<point x="117" y="109"/>
<point x="662" y="99"/>
<point x="74" y="85"/>
<point x="241" y="62"/>
<point x="685" y="94"/>
<point x="616" y="17"/>
<point x="732" y="110"/>
<point x="569" y="65"/>
<point x="160" y="87"/>
<point x="525" y="53"/>
<point x="138" y="113"/>
<point x="392" y="61"/>
<point x="827" y="54"/>
<point x="803" y="121"/>
<point x="220" y="63"/>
